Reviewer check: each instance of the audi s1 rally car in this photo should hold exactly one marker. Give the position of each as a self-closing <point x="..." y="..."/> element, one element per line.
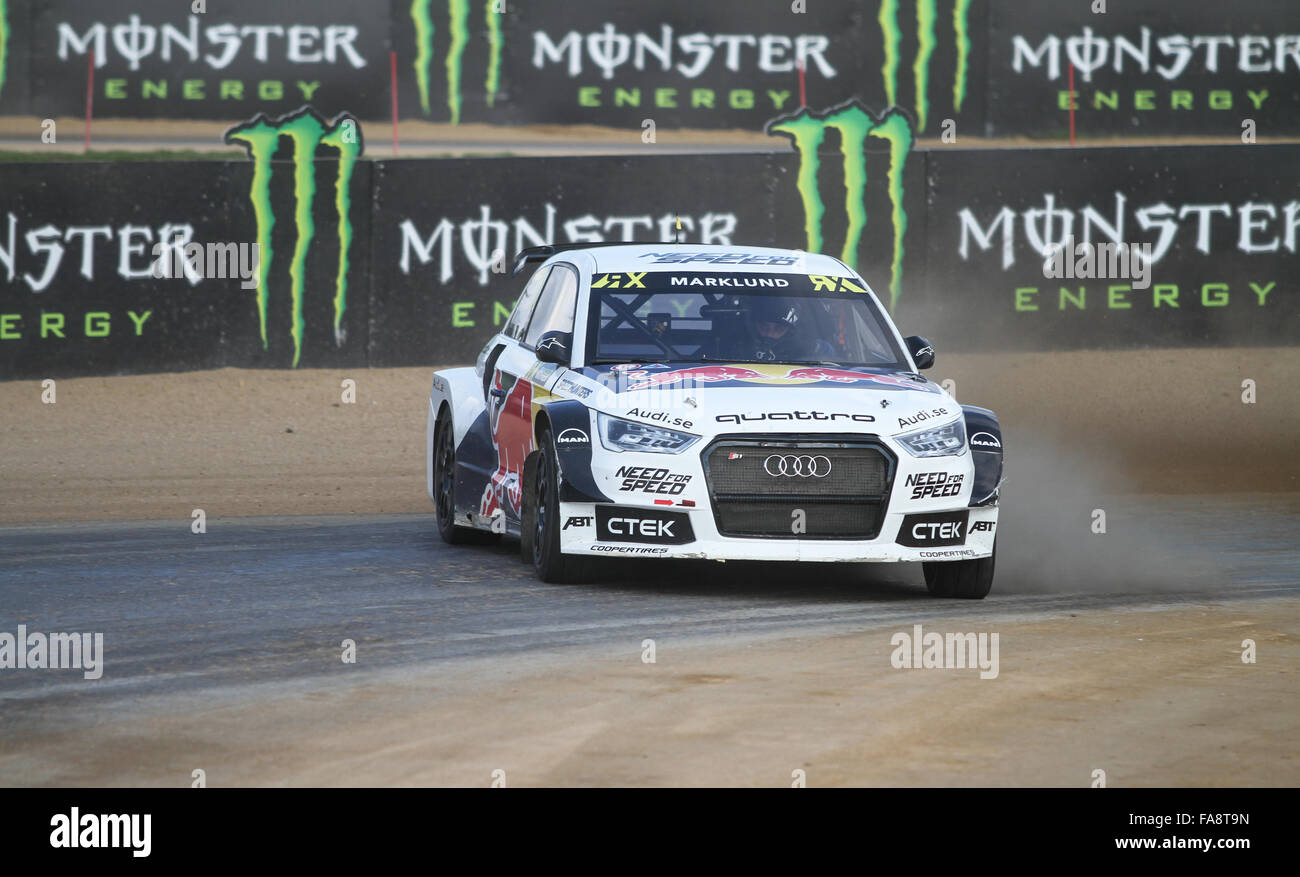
<point x="718" y="402"/>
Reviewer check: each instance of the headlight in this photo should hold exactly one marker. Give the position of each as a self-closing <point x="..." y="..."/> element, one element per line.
<point x="943" y="441"/>
<point x="617" y="434"/>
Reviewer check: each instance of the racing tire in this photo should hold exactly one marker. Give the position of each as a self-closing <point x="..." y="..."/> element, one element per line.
<point x="527" y="517"/>
<point x="444" y="490"/>
<point x="963" y="579"/>
<point x="542" y="512"/>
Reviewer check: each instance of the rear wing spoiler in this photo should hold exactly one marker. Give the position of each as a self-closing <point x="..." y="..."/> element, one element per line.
<point x="546" y="251"/>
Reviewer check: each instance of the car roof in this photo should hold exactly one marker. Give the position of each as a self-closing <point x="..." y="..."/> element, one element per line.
<point x="640" y="257"/>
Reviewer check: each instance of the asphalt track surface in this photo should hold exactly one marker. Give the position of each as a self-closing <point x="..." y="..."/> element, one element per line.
<point x="267" y="600"/>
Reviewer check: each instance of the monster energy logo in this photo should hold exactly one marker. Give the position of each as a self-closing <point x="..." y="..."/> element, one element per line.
<point x="854" y="123"/>
<point x="926" y="17"/>
<point x="308" y="131"/>
<point x="458" y="12"/>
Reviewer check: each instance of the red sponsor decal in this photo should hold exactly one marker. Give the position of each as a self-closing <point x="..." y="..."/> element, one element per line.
<point x="844" y="376"/>
<point x="705" y="374"/>
<point x="512" y="433"/>
<point x="708" y="374"/>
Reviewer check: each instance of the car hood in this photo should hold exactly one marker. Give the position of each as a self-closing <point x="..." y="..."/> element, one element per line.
<point x="715" y="397"/>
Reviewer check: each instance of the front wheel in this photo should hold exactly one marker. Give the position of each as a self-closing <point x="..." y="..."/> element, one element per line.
<point x="964" y="579"/>
<point x="542" y="519"/>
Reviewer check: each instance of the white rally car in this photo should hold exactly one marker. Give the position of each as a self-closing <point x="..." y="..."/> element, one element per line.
<point x="717" y="402"/>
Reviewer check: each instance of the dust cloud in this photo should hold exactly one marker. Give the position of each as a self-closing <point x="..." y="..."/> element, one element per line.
<point x="1055" y="499"/>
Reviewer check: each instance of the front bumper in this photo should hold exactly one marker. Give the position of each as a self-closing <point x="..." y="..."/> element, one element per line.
<point x="713" y="547"/>
<point x="666" y="506"/>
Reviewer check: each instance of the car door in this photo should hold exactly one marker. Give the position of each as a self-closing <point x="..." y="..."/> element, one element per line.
<point x="518" y="379"/>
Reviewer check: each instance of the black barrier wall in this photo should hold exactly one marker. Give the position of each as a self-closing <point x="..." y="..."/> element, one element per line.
<point x="156" y="59"/>
<point x="1155" y="66"/>
<point x="984" y="67"/>
<point x="390" y="263"/>
<point x="1222" y="224"/>
<point x="686" y="63"/>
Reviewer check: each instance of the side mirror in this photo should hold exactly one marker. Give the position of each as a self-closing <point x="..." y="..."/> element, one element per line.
<point x="922" y="351"/>
<point x="555" y="347"/>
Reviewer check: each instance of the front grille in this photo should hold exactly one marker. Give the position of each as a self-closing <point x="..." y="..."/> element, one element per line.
<point x="759" y="487"/>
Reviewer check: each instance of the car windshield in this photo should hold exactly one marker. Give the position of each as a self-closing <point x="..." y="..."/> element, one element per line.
<point x="738" y="317"/>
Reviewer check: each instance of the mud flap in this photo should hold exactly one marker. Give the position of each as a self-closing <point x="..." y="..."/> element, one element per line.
<point x="984" y="434"/>
<point x="571" y="425"/>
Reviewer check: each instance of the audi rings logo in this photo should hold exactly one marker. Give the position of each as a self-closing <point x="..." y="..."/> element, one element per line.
<point x="792" y="466"/>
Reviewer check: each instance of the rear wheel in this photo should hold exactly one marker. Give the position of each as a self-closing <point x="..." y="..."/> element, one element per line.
<point x="964" y="579"/>
<point x="542" y="504"/>
<point x="444" y="489"/>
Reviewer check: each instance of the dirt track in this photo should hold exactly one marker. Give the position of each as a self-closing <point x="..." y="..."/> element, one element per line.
<point x="240" y="442"/>
<point x="423" y="139"/>
<point x="246" y="682"/>
<point x="1158" y="699"/>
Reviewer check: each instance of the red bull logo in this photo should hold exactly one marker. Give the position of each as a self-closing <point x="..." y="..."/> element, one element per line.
<point x="771" y="375"/>
<point x="705" y="374"/>
<point x="512" y="432"/>
<point x="845" y="376"/>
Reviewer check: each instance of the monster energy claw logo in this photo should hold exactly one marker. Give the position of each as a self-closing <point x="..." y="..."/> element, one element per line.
<point x="308" y="131"/>
<point x="458" y="28"/>
<point x="926" y="17"/>
<point x="4" y="42"/>
<point x="854" y="124"/>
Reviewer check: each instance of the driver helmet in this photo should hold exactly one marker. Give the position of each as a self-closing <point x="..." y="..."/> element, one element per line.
<point x="773" y="318"/>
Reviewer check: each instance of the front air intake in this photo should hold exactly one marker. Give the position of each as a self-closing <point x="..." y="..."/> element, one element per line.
<point x="832" y="488"/>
